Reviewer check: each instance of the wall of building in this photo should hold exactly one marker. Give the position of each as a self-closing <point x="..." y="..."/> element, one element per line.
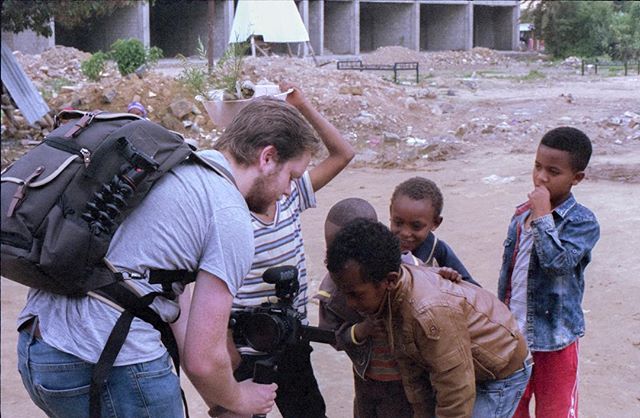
<point x="385" y="24"/>
<point x="177" y="26"/>
<point x="445" y="27"/>
<point x="494" y="27"/>
<point x="341" y="34"/>
<point x="342" y="27"/>
<point x="100" y="33"/>
<point x="28" y="41"/>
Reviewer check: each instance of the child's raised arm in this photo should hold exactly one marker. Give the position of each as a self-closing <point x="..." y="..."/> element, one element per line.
<point x="340" y="151"/>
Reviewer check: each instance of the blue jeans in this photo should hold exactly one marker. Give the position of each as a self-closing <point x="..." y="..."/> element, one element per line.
<point x="499" y="398"/>
<point x="58" y="383"/>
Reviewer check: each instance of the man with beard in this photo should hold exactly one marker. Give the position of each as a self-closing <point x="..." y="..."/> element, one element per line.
<point x="192" y="220"/>
<point x="279" y="242"/>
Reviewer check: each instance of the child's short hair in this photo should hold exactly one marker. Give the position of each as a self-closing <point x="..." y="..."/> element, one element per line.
<point x="419" y="188"/>
<point x="370" y="244"/>
<point x="268" y="121"/>
<point x="349" y="209"/>
<point x="572" y="140"/>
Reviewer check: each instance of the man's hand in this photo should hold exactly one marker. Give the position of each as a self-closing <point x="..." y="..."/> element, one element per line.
<point x="255" y="398"/>
<point x="540" y="201"/>
<point x="295" y="98"/>
<point x="449" y="274"/>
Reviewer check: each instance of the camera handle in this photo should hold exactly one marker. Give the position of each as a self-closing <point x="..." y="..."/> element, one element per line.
<point x="264" y="371"/>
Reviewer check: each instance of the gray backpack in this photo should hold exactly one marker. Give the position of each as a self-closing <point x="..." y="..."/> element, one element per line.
<point x="63" y="201"/>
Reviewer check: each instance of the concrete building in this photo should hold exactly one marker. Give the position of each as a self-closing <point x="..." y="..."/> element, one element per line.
<point x="341" y="27"/>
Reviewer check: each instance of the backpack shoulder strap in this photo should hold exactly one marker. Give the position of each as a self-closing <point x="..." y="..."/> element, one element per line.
<point x="130" y="305"/>
<point x="215" y="166"/>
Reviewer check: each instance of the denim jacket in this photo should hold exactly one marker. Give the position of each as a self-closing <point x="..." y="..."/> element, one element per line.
<point x="563" y="241"/>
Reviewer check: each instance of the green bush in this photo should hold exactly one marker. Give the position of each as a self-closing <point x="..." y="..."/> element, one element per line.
<point x="194" y="78"/>
<point x="130" y="54"/>
<point x="534" y="75"/>
<point x="94" y="66"/>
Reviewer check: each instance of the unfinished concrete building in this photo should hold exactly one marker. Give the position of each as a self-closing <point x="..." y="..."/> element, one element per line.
<point x="336" y="27"/>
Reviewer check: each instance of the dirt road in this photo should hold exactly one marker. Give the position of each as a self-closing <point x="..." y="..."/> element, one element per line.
<point x="476" y="213"/>
<point x="482" y="145"/>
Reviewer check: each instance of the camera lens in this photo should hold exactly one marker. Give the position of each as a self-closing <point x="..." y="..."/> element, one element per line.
<point x="265" y="332"/>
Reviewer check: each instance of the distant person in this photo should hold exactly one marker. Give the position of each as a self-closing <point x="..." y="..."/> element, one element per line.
<point x="456" y="340"/>
<point x="377" y="380"/>
<point x="278" y="240"/>
<point x="547" y="249"/>
<point x="137" y="108"/>
<point x="415" y="213"/>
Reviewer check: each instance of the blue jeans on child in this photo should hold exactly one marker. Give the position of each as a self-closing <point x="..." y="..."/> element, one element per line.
<point x="58" y="383"/>
<point x="499" y="398"/>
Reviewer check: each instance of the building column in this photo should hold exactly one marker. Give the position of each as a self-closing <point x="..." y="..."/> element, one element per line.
<point x="303" y="9"/>
<point x="414" y="29"/>
<point x="468" y="27"/>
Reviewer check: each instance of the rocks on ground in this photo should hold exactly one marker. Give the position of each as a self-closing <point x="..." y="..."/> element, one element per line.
<point x="389" y="124"/>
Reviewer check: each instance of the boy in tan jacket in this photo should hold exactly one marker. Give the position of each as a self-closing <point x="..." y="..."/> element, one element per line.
<point x="455" y="337"/>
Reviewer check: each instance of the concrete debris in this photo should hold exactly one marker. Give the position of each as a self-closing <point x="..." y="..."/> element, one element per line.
<point x="436" y="60"/>
<point x="389" y="124"/>
<point x="108" y="96"/>
<point x="496" y="179"/>
<point x="568" y="97"/>
<point x="572" y="62"/>
<point x="181" y="108"/>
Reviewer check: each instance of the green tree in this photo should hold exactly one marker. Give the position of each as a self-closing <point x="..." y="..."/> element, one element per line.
<point x="19" y="15"/>
<point x="625" y="42"/>
<point x="587" y="28"/>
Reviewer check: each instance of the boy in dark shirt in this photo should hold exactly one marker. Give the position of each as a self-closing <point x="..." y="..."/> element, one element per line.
<point x="416" y="211"/>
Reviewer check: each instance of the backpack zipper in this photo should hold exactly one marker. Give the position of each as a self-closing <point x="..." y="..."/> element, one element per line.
<point x="70" y="148"/>
<point x="86" y="156"/>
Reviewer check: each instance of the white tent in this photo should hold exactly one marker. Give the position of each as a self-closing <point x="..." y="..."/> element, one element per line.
<point x="274" y="20"/>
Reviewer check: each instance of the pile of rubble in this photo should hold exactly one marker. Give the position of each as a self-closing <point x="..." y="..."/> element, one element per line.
<point x="437" y="60"/>
<point x="59" y="62"/>
<point x="389" y="124"/>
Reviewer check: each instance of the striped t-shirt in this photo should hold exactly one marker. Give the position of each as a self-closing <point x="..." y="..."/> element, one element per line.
<point x="383" y="366"/>
<point x="279" y="243"/>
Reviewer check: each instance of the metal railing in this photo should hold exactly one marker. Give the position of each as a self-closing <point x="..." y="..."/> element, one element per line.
<point x="622" y="64"/>
<point x="395" y="67"/>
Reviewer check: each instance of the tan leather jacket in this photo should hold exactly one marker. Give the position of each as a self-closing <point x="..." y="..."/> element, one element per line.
<point x="336" y="315"/>
<point x="449" y="336"/>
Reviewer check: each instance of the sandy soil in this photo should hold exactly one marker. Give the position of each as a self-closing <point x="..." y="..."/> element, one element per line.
<point x="476" y="216"/>
<point x="482" y="177"/>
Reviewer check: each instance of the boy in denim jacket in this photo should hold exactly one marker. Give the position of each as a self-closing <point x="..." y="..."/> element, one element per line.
<point x="547" y="249"/>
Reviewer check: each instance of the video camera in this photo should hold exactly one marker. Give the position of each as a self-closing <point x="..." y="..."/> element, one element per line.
<point x="271" y="327"/>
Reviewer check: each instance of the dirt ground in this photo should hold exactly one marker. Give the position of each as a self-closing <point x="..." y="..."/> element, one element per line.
<point x="483" y="170"/>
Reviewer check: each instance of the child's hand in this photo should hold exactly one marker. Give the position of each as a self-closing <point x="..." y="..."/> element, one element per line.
<point x="368" y="328"/>
<point x="295" y="98"/>
<point x="449" y="274"/>
<point x="540" y="201"/>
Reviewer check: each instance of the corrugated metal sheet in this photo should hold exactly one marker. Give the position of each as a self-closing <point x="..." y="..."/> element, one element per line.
<point x="22" y="90"/>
